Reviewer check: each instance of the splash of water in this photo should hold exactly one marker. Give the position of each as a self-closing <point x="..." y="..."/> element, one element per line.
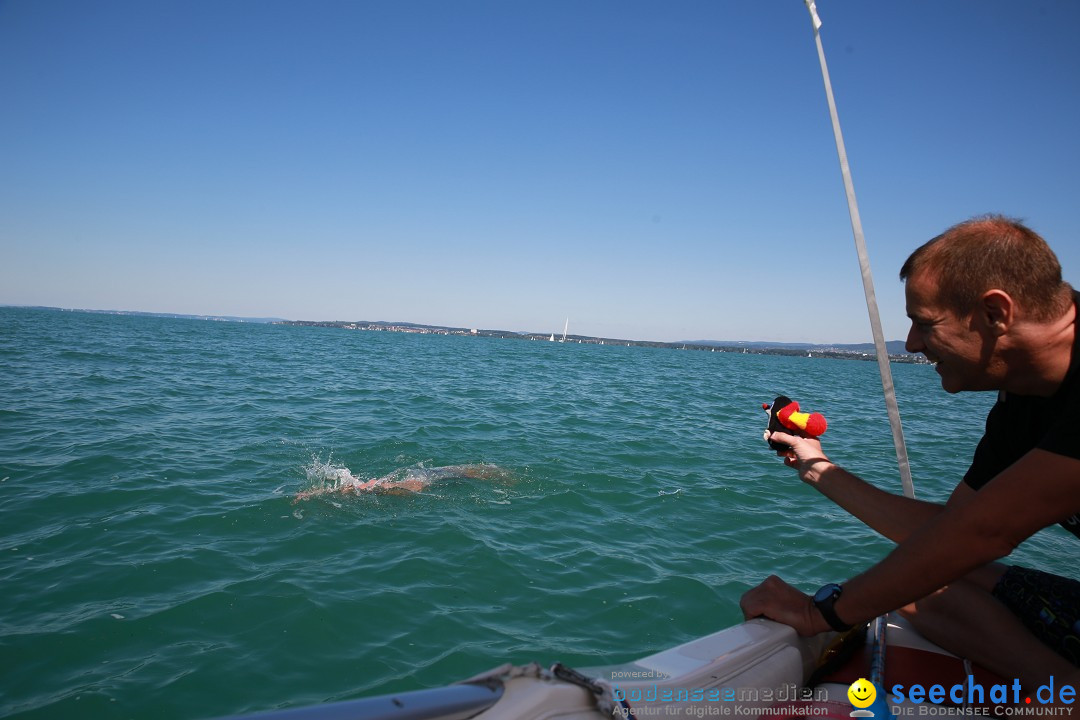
<point x="330" y="476"/>
<point x="325" y="477"/>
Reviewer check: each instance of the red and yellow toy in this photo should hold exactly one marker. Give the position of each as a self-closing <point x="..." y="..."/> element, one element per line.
<point x="784" y="415"/>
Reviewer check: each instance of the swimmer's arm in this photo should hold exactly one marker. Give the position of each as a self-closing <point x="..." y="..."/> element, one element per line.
<point x="401" y="487"/>
<point x="344" y="490"/>
<point x="307" y="495"/>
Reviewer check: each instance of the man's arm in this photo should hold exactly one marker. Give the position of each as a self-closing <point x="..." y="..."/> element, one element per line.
<point x="894" y="516"/>
<point x="1040" y="489"/>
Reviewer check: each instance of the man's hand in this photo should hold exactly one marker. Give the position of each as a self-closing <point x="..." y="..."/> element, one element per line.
<point x="778" y="601"/>
<point x="805" y="455"/>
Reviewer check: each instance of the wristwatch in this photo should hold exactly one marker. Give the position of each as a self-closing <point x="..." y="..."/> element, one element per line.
<point x="824" y="599"/>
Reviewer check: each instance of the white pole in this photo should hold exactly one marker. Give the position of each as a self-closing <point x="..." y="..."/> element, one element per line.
<point x="864" y="264"/>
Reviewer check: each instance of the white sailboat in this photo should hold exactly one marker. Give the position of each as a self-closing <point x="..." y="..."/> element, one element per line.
<point x="565" y="328"/>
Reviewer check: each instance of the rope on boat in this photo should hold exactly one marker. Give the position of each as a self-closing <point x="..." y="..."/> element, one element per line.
<point x="601" y="690"/>
<point x="605" y="698"/>
<point x="864" y="263"/>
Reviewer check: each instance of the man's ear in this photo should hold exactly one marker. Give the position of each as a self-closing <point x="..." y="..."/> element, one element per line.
<point x="998" y="311"/>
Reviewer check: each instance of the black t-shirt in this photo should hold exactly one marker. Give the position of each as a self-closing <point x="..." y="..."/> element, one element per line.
<point x="1020" y="423"/>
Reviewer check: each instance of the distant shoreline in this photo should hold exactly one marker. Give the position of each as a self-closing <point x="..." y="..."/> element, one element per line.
<point x="863" y="351"/>
<point x="141" y="313"/>
<point x="841" y="352"/>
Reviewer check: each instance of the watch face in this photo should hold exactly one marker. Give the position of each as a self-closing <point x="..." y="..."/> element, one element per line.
<point x="826" y="592"/>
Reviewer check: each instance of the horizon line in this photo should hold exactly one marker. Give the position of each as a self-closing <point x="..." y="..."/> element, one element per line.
<point x="274" y="319"/>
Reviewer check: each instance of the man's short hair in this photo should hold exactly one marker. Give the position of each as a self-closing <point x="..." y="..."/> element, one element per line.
<point x="993" y="252"/>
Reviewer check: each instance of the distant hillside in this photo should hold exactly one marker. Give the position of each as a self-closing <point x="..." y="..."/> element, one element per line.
<point x="894" y="347"/>
<point x="860" y="351"/>
<point x="139" y="313"/>
<point x="856" y="351"/>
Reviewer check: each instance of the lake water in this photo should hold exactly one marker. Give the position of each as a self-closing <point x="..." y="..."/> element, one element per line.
<point x="155" y="565"/>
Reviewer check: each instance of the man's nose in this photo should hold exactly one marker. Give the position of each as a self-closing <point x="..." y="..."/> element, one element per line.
<point x="914" y="342"/>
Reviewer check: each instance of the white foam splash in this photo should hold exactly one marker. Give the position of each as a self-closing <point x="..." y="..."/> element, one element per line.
<point x="329" y="475"/>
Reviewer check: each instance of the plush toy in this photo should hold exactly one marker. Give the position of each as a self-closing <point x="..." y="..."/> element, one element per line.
<point x="784" y="415"/>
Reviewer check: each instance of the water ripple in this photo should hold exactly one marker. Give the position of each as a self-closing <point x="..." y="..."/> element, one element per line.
<point x="151" y="547"/>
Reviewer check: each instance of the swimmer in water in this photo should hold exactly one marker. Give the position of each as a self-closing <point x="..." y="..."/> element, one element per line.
<point x="400" y="482"/>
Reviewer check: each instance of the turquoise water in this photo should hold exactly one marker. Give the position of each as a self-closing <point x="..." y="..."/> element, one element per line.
<point x="155" y="565"/>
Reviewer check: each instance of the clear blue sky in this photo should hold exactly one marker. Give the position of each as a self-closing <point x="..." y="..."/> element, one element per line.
<point x="651" y="170"/>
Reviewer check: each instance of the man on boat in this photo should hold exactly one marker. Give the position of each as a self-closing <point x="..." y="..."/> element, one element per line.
<point x="988" y="305"/>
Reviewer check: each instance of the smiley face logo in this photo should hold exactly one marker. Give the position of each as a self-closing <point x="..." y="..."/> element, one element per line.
<point x="862" y="693"/>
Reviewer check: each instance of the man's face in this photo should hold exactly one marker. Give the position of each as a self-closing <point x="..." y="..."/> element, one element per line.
<point x="954" y="343"/>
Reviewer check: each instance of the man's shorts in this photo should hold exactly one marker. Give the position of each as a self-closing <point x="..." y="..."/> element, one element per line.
<point x="1048" y="605"/>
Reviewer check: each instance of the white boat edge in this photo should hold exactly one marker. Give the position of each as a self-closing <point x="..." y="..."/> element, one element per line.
<point x="747" y="670"/>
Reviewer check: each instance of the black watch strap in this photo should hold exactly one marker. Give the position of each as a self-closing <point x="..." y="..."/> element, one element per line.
<point x="824" y="600"/>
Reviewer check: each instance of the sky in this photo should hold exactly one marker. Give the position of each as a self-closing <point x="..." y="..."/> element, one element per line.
<point x="648" y="170"/>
